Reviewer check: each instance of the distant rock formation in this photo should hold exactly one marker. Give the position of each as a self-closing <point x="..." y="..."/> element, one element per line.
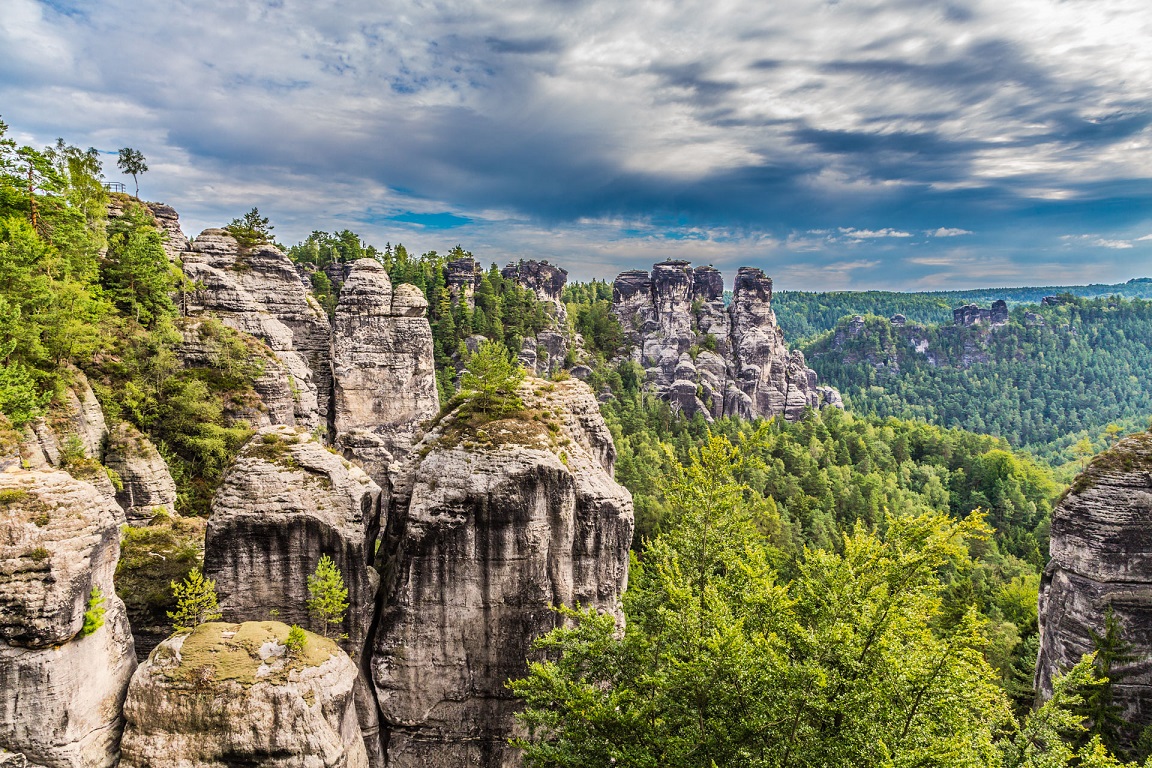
<point x="1101" y="552"/>
<point x="462" y="276"/>
<point x="711" y="358"/>
<point x="972" y="314"/>
<point x="61" y="691"/>
<point x="547" y="352"/>
<point x="493" y="526"/>
<point x="383" y="370"/>
<point x="233" y="695"/>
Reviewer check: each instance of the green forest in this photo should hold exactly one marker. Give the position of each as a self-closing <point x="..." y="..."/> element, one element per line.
<point x="1044" y="387"/>
<point x="857" y="588"/>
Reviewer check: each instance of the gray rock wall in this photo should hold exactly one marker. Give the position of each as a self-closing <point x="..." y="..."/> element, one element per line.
<point x="1101" y="550"/>
<point x="487" y="533"/>
<point x="60" y="692"/>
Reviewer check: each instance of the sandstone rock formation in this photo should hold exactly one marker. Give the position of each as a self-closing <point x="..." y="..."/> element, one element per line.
<point x="709" y="358"/>
<point x="462" y="276"/>
<point x="385" y="379"/>
<point x="495" y="522"/>
<point x="258" y="291"/>
<point x="168" y="221"/>
<point x="146" y="483"/>
<point x="231" y="695"/>
<point x="547" y="351"/>
<point x="285" y="502"/>
<point x="972" y="314"/>
<point x="61" y="688"/>
<point x="1101" y="552"/>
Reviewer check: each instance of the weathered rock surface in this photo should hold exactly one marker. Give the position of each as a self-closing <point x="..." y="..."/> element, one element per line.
<point x="230" y="695"/>
<point x="494" y="523"/>
<point x="175" y="242"/>
<point x="711" y="358"/>
<point x="286" y="502"/>
<point x="972" y="314"/>
<point x="1101" y="550"/>
<point x="385" y="379"/>
<point x="462" y="276"/>
<point x="258" y="292"/>
<point x="147" y="485"/>
<point x="60" y="692"/>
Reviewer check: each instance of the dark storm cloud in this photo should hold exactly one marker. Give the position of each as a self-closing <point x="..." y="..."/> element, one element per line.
<point x="838" y="139"/>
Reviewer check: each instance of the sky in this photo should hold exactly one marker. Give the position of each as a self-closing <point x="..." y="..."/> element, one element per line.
<point x="838" y="144"/>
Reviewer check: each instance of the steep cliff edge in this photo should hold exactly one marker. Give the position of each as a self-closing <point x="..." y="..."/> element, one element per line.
<point x="66" y="651"/>
<point x="708" y="357"/>
<point x="496" y="521"/>
<point x="1102" y="558"/>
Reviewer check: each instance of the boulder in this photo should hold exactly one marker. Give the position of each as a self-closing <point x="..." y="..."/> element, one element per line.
<point x="61" y="684"/>
<point x="146" y="483"/>
<point x="233" y="695"/>
<point x="497" y="521"/>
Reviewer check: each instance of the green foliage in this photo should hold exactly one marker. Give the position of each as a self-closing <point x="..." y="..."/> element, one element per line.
<point x="251" y="229"/>
<point x="20" y="398"/>
<point x="94" y="614"/>
<point x="328" y="597"/>
<point x="136" y="274"/>
<point x="722" y="663"/>
<point x="196" y="601"/>
<point x="1111" y="654"/>
<point x="152" y="557"/>
<point x="295" y="641"/>
<point x="492" y="379"/>
<point x="1045" y="388"/>
<point x="132" y="162"/>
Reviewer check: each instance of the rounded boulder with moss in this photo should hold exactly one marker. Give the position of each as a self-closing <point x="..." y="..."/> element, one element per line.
<point x="231" y="694"/>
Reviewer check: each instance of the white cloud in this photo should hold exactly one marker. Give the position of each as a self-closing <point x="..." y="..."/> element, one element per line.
<point x="871" y="234"/>
<point x="1117" y="244"/>
<point x="948" y="232"/>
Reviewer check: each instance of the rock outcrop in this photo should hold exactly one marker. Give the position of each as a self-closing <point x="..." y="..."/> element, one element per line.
<point x="258" y="291"/>
<point x="496" y="522"/>
<point x="146" y="485"/>
<point x="383" y="370"/>
<point x="708" y="357"/>
<point x="61" y="684"/>
<point x="233" y="695"/>
<point x="286" y="502"/>
<point x="175" y="242"/>
<point x="547" y="351"/>
<point x="1101" y="550"/>
<point x="973" y="314"/>
<point x="462" y="276"/>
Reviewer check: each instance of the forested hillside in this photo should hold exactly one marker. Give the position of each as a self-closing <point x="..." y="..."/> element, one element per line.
<point x="1043" y="383"/>
<point x="804" y="315"/>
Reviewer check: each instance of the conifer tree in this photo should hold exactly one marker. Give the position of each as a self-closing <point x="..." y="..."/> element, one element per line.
<point x="329" y="597"/>
<point x="492" y="379"/>
<point x="196" y="602"/>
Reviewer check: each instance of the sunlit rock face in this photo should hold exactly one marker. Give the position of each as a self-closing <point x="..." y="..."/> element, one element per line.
<point x="385" y="378"/>
<point x="1101" y="550"/>
<point x="709" y="357"/>
<point x="491" y="526"/>
<point x="61" y="687"/>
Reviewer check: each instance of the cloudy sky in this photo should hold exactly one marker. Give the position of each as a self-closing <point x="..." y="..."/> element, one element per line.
<point x="910" y="144"/>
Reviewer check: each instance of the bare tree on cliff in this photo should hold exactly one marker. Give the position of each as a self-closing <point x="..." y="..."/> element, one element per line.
<point x="131" y="161"/>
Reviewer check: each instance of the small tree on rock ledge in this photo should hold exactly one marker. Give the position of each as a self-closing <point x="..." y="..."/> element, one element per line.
<point x="196" y="602"/>
<point x="492" y="379"/>
<point x="328" y="600"/>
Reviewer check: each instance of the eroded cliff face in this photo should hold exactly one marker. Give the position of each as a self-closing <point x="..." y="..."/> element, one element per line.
<point x="258" y="291"/>
<point x="1101" y="550"/>
<point x="286" y="502"/>
<point x="385" y="379"/>
<point x="709" y="358"/>
<point x="233" y="695"/>
<point x="61" y="689"/>
<point x="496" y="522"/>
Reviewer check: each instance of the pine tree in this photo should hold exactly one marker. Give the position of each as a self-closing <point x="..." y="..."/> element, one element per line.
<point x="131" y="162"/>
<point x="196" y="602"/>
<point x="329" y="597"/>
<point x="492" y="379"/>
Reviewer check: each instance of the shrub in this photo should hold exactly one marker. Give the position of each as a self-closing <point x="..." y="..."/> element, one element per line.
<point x="295" y="641"/>
<point x="329" y="597"/>
<point x="94" y="616"/>
<point x="196" y="601"/>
